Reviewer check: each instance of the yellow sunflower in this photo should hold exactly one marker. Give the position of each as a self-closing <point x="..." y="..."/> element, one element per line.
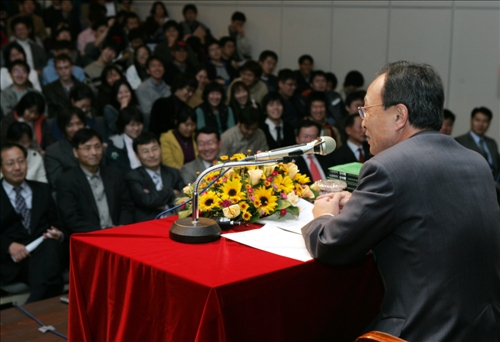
<point x="211" y="176"/>
<point x="209" y="201"/>
<point x="231" y="190"/>
<point x="246" y="215"/>
<point x="224" y="158"/>
<point x="264" y="201"/>
<point x="301" y="178"/>
<point x="244" y="206"/>
<point x="238" y="156"/>
<point x="285" y="184"/>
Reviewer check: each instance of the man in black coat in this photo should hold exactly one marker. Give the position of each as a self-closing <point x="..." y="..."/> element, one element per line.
<point x="28" y="213"/>
<point x="153" y="187"/>
<point x="92" y="196"/>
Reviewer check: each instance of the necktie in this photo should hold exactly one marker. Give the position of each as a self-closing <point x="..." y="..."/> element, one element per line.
<point x="23" y="209"/>
<point x="278" y="131"/>
<point x="482" y="149"/>
<point x="315" y="173"/>
<point x="361" y="155"/>
<point x="156" y="180"/>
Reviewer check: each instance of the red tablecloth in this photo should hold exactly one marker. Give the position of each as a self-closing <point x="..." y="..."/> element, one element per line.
<point x="135" y="284"/>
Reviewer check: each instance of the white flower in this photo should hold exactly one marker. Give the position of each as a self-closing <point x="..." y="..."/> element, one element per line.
<point x="255" y="175"/>
<point x="268" y="169"/>
<point x="231" y="211"/>
<point x="292" y="198"/>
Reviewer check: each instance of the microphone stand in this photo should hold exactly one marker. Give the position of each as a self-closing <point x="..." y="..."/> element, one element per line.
<point x="198" y="229"/>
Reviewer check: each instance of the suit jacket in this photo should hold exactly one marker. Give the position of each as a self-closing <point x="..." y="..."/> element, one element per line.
<point x="324" y="161"/>
<point x="287" y="132"/>
<point x="467" y="141"/>
<point x="56" y="97"/>
<point x="43" y="215"/>
<point x="189" y="170"/>
<point x="344" y="154"/>
<point x="149" y="205"/>
<point x="59" y="158"/>
<point x="77" y="206"/>
<point x="428" y="210"/>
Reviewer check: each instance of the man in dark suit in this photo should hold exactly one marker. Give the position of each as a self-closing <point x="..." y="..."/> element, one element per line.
<point x="312" y="165"/>
<point x="476" y="139"/>
<point x="27" y="213"/>
<point x="92" y="196"/>
<point x="153" y="187"/>
<point x="426" y="208"/>
<point x="356" y="149"/>
<point x="278" y="132"/>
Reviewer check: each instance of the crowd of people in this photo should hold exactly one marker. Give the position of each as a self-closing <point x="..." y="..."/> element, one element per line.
<point x="109" y="118"/>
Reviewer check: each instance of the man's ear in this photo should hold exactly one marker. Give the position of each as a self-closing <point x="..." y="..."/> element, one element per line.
<point x="401" y="116"/>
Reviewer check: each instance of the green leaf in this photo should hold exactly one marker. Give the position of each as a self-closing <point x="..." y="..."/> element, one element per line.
<point x="185" y="213"/>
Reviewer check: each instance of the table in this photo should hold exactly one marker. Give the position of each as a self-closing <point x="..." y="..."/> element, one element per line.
<point x="133" y="283"/>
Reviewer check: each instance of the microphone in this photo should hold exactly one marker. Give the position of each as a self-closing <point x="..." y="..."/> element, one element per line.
<point x="322" y="145"/>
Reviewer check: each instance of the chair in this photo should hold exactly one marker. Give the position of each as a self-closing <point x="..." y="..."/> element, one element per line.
<point x="378" y="336"/>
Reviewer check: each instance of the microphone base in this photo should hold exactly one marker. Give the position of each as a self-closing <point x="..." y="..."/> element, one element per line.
<point x="188" y="231"/>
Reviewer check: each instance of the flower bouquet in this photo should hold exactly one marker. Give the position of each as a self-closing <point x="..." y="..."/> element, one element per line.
<point x="250" y="192"/>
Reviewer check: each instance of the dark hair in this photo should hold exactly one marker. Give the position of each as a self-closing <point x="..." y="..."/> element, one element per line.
<point x="153" y="58"/>
<point x="17" y="129"/>
<point x="116" y="88"/>
<point x="141" y="47"/>
<point x="64" y="117"/>
<point x="96" y="12"/>
<point x="153" y="8"/>
<point x="482" y="110"/>
<point x="62" y="58"/>
<point x="8" y="49"/>
<point x="189" y="7"/>
<point x="26" y="20"/>
<point x="80" y="92"/>
<point x="249" y="116"/>
<point x="253" y="67"/>
<point x="110" y="44"/>
<point x="63" y="45"/>
<point x="304" y="58"/>
<point x="207" y="130"/>
<point x="8" y="146"/>
<point x="169" y="24"/>
<point x="238" y="16"/>
<point x="83" y="135"/>
<point x="330" y="77"/>
<point x="30" y="99"/>
<point x="354" y="78"/>
<point x="419" y="88"/>
<point x="448" y="114"/>
<point x="223" y="40"/>
<point x="143" y="139"/>
<point x="135" y="34"/>
<point x="184" y="114"/>
<point x="126" y="116"/>
<point x="99" y="22"/>
<point x="62" y="29"/>
<point x="107" y="70"/>
<point x="130" y="15"/>
<point x="21" y="63"/>
<point x="307" y="124"/>
<point x="212" y="42"/>
<point x="232" y="100"/>
<point x="183" y="80"/>
<point x="286" y="74"/>
<point x="268" y="53"/>
<point x="270" y="97"/>
<point x="214" y="87"/>
<point x="355" y="95"/>
<point x="317" y="73"/>
<point x="315" y="96"/>
<point x="350" y="120"/>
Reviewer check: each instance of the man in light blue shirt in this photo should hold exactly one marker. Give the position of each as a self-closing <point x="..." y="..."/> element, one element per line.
<point x="49" y="73"/>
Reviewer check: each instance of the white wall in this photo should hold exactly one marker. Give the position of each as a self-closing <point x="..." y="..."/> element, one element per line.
<point x="461" y="39"/>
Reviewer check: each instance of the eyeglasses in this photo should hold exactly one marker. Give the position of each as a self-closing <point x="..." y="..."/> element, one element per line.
<point x="362" y="110"/>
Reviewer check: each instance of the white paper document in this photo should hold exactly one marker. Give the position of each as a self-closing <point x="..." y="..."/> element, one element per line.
<point x="31" y="247"/>
<point x="274" y="240"/>
<point x="290" y="222"/>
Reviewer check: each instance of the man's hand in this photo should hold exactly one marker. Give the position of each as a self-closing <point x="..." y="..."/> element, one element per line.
<point x="53" y="233"/>
<point x="18" y="251"/>
<point x="331" y="203"/>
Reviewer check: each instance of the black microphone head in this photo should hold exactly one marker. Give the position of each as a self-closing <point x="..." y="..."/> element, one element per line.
<point x="328" y="145"/>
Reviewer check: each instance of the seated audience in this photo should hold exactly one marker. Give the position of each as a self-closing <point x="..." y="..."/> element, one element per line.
<point x="353" y="81"/>
<point x="68" y="17"/>
<point x="92" y="196"/>
<point x="278" y="132"/>
<point x="13" y="52"/>
<point x="476" y="139"/>
<point x="57" y="92"/>
<point x="120" y="152"/>
<point x="137" y="72"/>
<point x="236" y="31"/>
<point x="21" y="133"/>
<point x="331" y="81"/>
<point x="228" y="51"/>
<point x="218" y="69"/>
<point x="154" y="23"/>
<point x="197" y="98"/>
<point x="135" y="39"/>
<point x="100" y="29"/>
<point x="28" y="212"/>
<point x="178" y="146"/>
<point x="214" y="111"/>
<point x="126" y="5"/>
<point x="250" y="75"/>
<point x="354" y="100"/>
<point x="93" y="71"/>
<point x="122" y="96"/>
<point x="21" y="85"/>
<point x="59" y="156"/>
<point x="314" y="166"/>
<point x="51" y="12"/>
<point x="192" y="27"/>
<point x="356" y="148"/>
<point x="49" y="73"/>
<point x="293" y="111"/>
<point x="30" y="109"/>
<point x="27" y="12"/>
<point x="165" y="110"/>
<point x="449" y="120"/>
<point x="153" y="88"/>
<point x="109" y="76"/>
<point x="35" y="54"/>
<point x="208" y="144"/>
<point x="179" y="64"/>
<point x="267" y="61"/>
<point x="303" y="74"/>
<point x="96" y="12"/>
<point x="153" y="187"/>
<point x="240" y="99"/>
<point x="316" y="110"/>
<point x="246" y="137"/>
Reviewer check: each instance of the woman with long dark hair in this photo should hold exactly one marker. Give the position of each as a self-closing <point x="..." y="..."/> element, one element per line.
<point x="136" y="73"/>
<point x="239" y="98"/>
<point x="109" y="75"/>
<point x="213" y="111"/>
<point x="158" y="15"/>
<point x="122" y="96"/>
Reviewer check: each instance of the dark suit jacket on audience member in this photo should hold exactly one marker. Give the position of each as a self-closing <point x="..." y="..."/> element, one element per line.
<point x="149" y="204"/>
<point x="324" y="161"/>
<point x="287" y="133"/>
<point x="59" y="158"/>
<point x="77" y="206"/>
<point x="466" y="140"/>
<point x="56" y="97"/>
<point x="163" y="114"/>
<point x="344" y="154"/>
